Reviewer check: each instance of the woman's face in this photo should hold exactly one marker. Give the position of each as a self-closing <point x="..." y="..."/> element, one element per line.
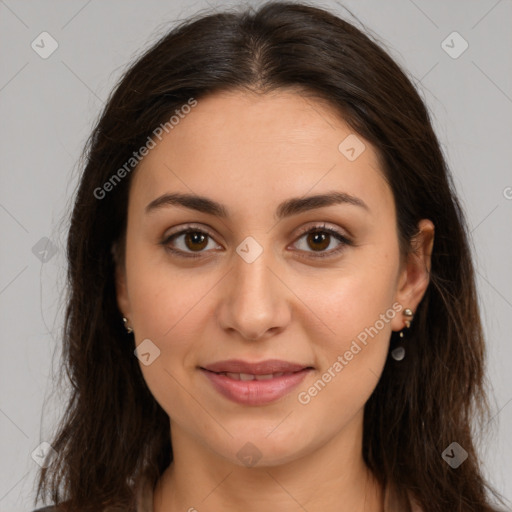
<point x="253" y="285"/>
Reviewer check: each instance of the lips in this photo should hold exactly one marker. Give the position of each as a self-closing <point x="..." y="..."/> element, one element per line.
<point x="255" y="383"/>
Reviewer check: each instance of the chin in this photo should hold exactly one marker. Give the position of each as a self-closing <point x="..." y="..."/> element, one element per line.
<point x="263" y="450"/>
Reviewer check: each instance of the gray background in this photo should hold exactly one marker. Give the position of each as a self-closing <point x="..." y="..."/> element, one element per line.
<point x="47" y="107"/>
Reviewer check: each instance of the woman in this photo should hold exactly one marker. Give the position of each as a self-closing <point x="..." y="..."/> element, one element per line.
<point x="272" y="298"/>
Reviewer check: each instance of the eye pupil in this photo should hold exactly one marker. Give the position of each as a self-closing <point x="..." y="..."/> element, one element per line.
<point x="319" y="237"/>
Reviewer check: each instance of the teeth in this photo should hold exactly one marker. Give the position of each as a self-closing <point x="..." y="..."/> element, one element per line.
<point x="249" y="376"/>
<point x="264" y="377"/>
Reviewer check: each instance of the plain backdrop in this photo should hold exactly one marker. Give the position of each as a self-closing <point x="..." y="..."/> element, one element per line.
<point x="48" y="106"/>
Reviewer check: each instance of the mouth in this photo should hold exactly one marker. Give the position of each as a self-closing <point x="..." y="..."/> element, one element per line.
<point x="255" y="383"/>
<point x="249" y="376"/>
<point x="266" y="367"/>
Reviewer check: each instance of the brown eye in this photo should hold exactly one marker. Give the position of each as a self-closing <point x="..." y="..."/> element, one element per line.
<point x="187" y="242"/>
<point x="195" y="240"/>
<point x="319" y="240"/>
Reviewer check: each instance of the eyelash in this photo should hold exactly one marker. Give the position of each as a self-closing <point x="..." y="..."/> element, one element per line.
<point x="314" y="229"/>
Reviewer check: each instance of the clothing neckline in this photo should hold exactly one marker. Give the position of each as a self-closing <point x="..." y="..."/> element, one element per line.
<point x="145" y="499"/>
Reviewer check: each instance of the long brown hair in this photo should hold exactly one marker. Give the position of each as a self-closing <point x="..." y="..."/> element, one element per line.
<point x="114" y="433"/>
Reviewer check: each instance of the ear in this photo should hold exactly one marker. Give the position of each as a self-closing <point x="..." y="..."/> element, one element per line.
<point x="415" y="274"/>
<point x="123" y="301"/>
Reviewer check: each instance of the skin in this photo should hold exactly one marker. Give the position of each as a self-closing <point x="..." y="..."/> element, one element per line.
<point x="250" y="153"/>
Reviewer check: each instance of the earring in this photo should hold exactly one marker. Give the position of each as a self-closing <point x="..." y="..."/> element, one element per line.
<point x="399" y="352"/>
<point x="126" y="326"/>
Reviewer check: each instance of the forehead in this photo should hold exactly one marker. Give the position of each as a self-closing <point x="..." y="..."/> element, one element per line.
<point x="259" y="150"/>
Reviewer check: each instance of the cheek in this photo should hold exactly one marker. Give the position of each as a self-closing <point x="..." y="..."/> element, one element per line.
<point x="349" y="362"/>
<point x="356" y="299"/>
<point x="171" y="314"/>
<point x="167" y="309"/>
<point x="165" y="299"/>
<point x="357" y="308"/>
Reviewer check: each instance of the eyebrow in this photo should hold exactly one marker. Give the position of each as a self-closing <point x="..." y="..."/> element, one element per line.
<point x="287" y="208"/>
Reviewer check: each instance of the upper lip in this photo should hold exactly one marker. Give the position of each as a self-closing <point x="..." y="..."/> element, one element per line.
<point x="260" y="368"/>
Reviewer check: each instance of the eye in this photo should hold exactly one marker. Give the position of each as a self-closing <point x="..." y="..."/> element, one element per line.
<point x="190" y="239"/>
<point x="320" y="238"/>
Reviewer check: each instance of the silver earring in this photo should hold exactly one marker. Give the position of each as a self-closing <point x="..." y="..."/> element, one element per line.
<point x="399" y="352"/>
<point x="126" y="326"/>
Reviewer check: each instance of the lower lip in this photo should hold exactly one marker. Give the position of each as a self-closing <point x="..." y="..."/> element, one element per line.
<point x="255" y="392"/>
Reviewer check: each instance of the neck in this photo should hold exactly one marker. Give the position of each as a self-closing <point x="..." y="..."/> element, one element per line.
<point x="330" y="478"/>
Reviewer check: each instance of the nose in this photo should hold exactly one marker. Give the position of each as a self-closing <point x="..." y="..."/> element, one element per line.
<point x="255" y="301"/>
